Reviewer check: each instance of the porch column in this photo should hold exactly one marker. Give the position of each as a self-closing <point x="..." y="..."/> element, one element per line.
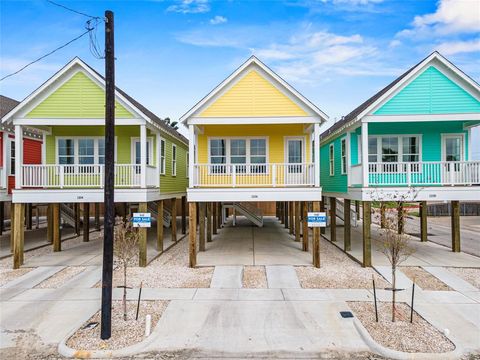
<point x="401" y="219"/>
<point x="143" y="156"/>
<point x="86" y="222"/>
<point x="291" y="214"/>
<point x="305" y="226"/>
<point x="316" y="150"/>
<point x="160" y="225"/>
<point x="97" y="216"/>
<point x="322" y="209"/>
<point x="174" y="219"/>
<point x="423" y="221"/>
<point x="347" y="246"/>
<point x="184" y="215"/>
<point x="214" y="217"/>
<point x="201" y="226"/>
<point x="209" y="222"/>
<point x="76" y="214"/>
<point x="367" y="241"/>
<point x="18" y="156"/>
<point x="455" y="225"/>
<point x="333" y="219"/>
<point x="192" y="234"/>
<point x="142" y="241"/>
<point x="56" y="238"/>
<point x="365" y="154"/>
<point x="316" y="239"/>
<point x="18" y="234"/>
<point x="297" y="221"/>
<point x="286" y="214"/>
<point x="191" y="157"/>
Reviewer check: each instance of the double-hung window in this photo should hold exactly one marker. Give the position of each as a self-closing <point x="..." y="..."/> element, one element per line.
<point x="331" y="159"/>
<point x="86" y="151"/>
<point x="343" y="156"/>
<point x="12" y="157"/>
<point x="174" y="160"/>
<point x="258" y="156"/>
<point x="66" y="151"/>
<point x="389" y="150"/>
<point x="238" y="154"/>
<point x="162" y="156"/>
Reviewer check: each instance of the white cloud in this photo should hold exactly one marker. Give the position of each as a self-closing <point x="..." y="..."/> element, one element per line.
<point x="190" y="7"/>
<point x="355" y="2"/>
<point x="457" y="47"/>
<point x="451" y="17"/>
<point x="218" y="20"/>
<point x="395" y="43"/>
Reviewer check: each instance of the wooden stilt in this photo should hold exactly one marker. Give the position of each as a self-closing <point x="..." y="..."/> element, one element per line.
<point x="126" y="211"/>
<point x="455" y="226"/>
<point x="382" y="215"/>
<point x="333" y="219"/>
<point x="316" y="239"/>
<point x="76" y="214"/>
<point x="160" y="225"/>
<point x="192" y="234"/>
<point x="50" y="223"/>
<point x="56" y="239"/>
<point x="291" y="214"/>
<point x="209" y="222"/>
<point x="367" y="241"/>
<point x="214" y="218"/>
<point x="12" y="222"/>
<point x="282" y="220"/>
<point x="347" y="246"/>
<point x="201" y="226"/>
<point x="184" y="215"/>
<point x="17" y="230"/>
<point x="322" y="209"/>
<point x="97" y="216"/>
<point x="174" y="219"/>
<point x="305" y="226"/>
<point x="86" y="222"/>
<point x="401" y="220"/>
<point x="423" y="221"/>
<point x="142" y="241"/>
<point x="357" y="209"/>
<point x="298" y="213"/>
<point x="286" y="214"/>
<point x="28" y="216"/>
<point x="220" y="215"/>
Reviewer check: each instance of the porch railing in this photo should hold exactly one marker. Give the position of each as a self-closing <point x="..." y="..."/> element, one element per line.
<point x="254" y="175"/>
<point x="424" y="173"/>
<point x="82" y="176"/>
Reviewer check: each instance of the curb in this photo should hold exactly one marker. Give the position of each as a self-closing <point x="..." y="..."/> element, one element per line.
<point x="400" y="355"/>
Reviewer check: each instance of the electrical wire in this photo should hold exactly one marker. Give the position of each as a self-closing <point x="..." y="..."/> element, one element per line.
<point x="72" y="10"/>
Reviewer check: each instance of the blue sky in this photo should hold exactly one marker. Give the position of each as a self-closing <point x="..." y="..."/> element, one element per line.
<point x="171" y="53"/>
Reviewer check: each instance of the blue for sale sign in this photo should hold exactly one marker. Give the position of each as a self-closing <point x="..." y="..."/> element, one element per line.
<point x="317" y="219"/>
<point x="142" y="220"/>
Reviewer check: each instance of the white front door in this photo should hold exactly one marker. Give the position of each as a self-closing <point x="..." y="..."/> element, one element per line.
<point x="452" y="154"/>
<point x="294" y="170"/>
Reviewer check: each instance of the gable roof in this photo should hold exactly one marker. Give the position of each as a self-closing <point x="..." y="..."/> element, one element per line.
<point x="6" y="105"/>
<point x="148" y="115"/>
<point x="252" y="61"/>
<point x="357" y="113"/>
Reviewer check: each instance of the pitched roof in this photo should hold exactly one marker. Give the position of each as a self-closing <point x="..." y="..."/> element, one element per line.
<point x="7" y="104"/>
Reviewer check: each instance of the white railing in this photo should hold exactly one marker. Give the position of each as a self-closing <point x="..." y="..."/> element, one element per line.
<point x="424" y="173"/>
<point x="253" y="175"/>
<point x="356" y="176"/>
<point x="81" y="176"/>
<point x="152" y="176"/>
<point x="3" y="178"/>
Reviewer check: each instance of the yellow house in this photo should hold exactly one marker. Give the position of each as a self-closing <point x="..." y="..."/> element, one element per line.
<point x="252" y="139"/>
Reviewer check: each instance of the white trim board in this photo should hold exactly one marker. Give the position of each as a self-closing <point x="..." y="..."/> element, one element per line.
<point x="252" y="120"/>
<point x="255" y="194"/>
<point x="422" y="118"/>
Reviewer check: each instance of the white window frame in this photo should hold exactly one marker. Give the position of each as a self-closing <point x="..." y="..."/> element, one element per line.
<point x="400" y="138"/>
<point x="247" y="154"/>
<point x="187" y="162"/>
<point x="343" y="155"/>
<point x="174" y="160"/>
<point x="331" y="159"/>
<point x="76" y="148"/>
<point x="443" y="139"/>
<point x="162" y="162"/>
<point x="11" y="145"/>
<point x="150" y="150"/>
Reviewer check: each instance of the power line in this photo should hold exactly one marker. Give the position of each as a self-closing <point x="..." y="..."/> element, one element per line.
<point x="72" y="10"/>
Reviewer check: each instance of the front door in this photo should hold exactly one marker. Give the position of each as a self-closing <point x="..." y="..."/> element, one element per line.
<point x="294" y="170"/>
<point x="452" y="154"/>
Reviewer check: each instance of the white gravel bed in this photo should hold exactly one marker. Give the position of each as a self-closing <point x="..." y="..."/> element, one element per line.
<point x="424" y="279"/>
<point x="124" y="332"/>
<point x="254" y="277"/>
<point x="59" y="278"/>
<point x="401" y="335"/>
<point x="7" y="274"/>
<point x="169" y="270"/>
<point x="471" y="275"/>
<point x="337" y="271"/>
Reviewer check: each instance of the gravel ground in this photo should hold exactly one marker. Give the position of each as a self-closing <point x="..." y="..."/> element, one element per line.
<point x="124" y="333"/>
<point x="401" y="335"/>
<point x="8" y="274"/>
<point x="254" y="277"/>
<point x="59" y="278"/>
<point x="337" y="271"/>
<point x="471" y="275"/>
<point x="169" y="270"/>
<point x="424" y="279"/>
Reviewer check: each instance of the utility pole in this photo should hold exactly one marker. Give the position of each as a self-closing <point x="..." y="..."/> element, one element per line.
<point x="109" y="215"/>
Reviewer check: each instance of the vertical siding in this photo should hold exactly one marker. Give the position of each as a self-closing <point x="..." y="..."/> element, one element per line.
<point x="79" y="97"/>
<point x="338" y="182"/>
<point x="431" y="92"/>
<point x="253" y="95"/>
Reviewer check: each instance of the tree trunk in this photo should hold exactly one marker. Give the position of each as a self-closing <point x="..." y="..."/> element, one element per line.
<point x="394" y="291"/>
<point x="125" y="292"/>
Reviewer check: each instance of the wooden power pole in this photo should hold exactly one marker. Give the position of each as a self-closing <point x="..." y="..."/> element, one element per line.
<point x="109" y="214"/>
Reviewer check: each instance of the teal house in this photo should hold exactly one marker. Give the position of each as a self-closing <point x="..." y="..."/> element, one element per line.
<point x="411" y="140"/>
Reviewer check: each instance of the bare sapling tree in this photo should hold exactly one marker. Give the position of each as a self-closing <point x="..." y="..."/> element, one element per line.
<point x="125" y="249"/>
<point x="395" y="244"/>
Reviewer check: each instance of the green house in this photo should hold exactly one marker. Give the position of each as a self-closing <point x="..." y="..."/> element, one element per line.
<point x="413" y="134"/>
<point x="151" y="158"/>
